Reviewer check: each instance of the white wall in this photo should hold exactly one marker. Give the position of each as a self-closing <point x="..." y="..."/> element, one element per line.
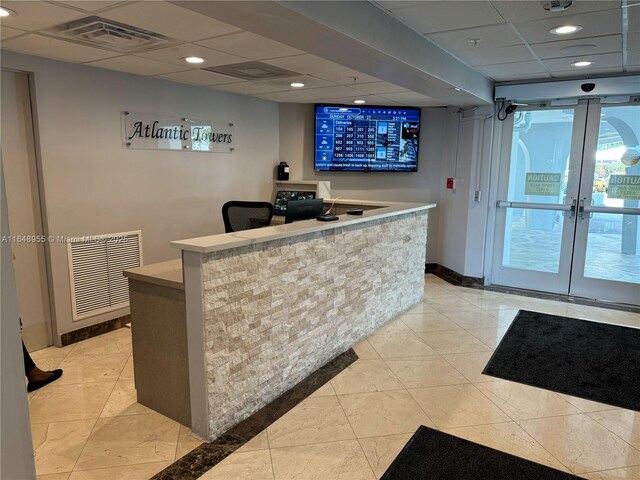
<point x="94" y="185"/>
<point x="16" y="460"/>
<point x="296" y="148"/>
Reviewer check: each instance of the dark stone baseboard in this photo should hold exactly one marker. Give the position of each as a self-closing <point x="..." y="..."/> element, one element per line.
<point x="93" y="330"/>
<point x="430" y="267"/>
<point x="457" y="279"/>
<point x="203" y="458"/>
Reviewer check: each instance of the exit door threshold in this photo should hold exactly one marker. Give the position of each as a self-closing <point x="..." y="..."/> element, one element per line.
<point x="625" y="307"/>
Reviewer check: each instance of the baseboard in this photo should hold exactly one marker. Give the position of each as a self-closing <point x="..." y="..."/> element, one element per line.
<point x="430" y="267"/>
<point x="458" y="279"/>
<point x="84" y="333"/>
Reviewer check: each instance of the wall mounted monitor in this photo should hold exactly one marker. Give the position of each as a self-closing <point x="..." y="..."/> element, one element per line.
<point x="366" y="139"/>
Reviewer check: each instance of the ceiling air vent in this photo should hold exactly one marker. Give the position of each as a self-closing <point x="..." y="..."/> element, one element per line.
<point x="252" y="71"/>
<point x="102" y="33"/>
<point x="556" y="5"/>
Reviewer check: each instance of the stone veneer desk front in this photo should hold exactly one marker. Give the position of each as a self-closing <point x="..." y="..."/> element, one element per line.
<point x="266" y="308"/>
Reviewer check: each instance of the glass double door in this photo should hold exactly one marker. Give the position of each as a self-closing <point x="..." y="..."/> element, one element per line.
<point x="567" y="215"/>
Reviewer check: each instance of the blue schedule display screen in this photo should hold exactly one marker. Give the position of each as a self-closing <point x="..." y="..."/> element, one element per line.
<point x="371" y="139"/>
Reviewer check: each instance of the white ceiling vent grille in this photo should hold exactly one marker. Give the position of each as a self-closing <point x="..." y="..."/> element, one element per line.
<point x="95" y="271"/>
<point x="252" y="71"/>
<point x="102" y="33"/>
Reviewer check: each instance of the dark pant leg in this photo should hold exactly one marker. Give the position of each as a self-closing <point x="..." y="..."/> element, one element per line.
<point x="28" y="363"/>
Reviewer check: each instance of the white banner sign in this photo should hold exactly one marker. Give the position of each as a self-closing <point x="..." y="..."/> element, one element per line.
<point x="154" y="132"/>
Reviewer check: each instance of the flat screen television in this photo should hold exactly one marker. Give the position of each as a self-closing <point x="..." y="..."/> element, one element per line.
<point x="366" y="139"/>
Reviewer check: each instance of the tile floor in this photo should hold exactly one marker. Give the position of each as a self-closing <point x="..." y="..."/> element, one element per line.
<point x="421" y="369"/>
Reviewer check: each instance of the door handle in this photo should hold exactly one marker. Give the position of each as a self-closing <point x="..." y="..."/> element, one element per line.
<point x="581" y="209"/>
<point x="572" y="212"/>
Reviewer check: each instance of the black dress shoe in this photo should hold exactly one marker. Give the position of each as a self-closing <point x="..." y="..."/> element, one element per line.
<point x="56" y="374"/>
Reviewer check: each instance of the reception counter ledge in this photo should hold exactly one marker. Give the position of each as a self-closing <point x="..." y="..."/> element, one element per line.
<point x="266" y="308"/>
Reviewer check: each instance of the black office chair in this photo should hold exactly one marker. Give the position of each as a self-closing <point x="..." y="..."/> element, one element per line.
<point x="238" y="215"/>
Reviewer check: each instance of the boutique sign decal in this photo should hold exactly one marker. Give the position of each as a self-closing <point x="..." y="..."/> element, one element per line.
<point x="154" y="132"/>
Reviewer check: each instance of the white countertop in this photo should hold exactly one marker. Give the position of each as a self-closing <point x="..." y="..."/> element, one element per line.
<point x="213" y="243"/>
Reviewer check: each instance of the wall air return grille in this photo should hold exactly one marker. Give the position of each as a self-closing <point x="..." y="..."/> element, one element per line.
<point x="252" y="71"/>
<point x="95" y="272"/>
<point x="102" y="33"/>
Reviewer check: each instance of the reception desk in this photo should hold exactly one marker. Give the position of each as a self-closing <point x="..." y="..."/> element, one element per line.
<point x="265" y="308"/>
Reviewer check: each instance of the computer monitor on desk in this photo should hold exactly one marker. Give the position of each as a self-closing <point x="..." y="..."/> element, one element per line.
<point x="303" y="209"/>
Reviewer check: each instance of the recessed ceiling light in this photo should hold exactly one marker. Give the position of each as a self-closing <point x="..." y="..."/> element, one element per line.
<point x="456" y="89"/>
<point x="359" y="102"/>
<point x="565" y="29"/>
<point x="5" y="12"/>
<point x="194" y="60"/>
<point x="297" y="84"/>
<point x="582" y="63"/>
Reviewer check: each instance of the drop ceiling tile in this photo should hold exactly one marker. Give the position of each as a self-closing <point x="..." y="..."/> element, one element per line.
<point x="89" y="5"/>
<point x="587" y="73"/>
<point x="525" y="10"/>
<point x="42" y="46"/>
<point x="200" y="77"/>
<point x="136" y="65"/>
<point x="321" y="68"/>
<point x="411" y="99"/>
<point x="36" y="15"/>
<point x="170" y="20"/>
<point x="516" y="69"/>
<point x="395" y="4"/>
<point x="489" y="37"/>
<point x="510" y="77"/>
<point x="633" y="38"/>
<point x="379" y="87"/>
<point x="516" y="53"/>
<point x="249" y="45"/>
<point x="252" y="88"/>
<point x="583" y="46"/>
<point x="607" y="22"/>
<point x="337" y="91"/>
<point x="605" y="60"/>
<point x="6" y="33"/>
<point x="176" y="54"/>
<point x="633" y="57"/>
<point x="286" y="97"/>
<point x="633" y="16"/>
<point x="438" y="16"/>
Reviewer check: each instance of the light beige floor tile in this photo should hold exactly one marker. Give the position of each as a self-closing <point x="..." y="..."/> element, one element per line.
<point x="107" y="344"/>
<point x="54" y="476"/>
<point x="422" y="307"/>
<point x="365" y="351"/>
<point x="123" y="401"/>
<point x="587" y="406"/>
<point x="91" y="368"/>
<point x="489" y="336"/>
<point x="425" y="372"/>
<point x="59" y="403"/>
<point x="428" y="322"/>
<point x="259" y="442"/>
<point x="458" y="406"/>
<point x="383" y="413"/>
<point x="449" y="304"/>
<point x="246" y="466"/>
<point x="435" y="291"/>
<point x="581" y="443"/>
<point x="335" y="461"/>
<point x="397" y="345"/>
<point x="51" y="352"/>
<point x="522" y="402"/>
<point x="631" y="473"/>
<point x="365" y="376"/>
<point x="505" y="315"/>
<point x="315" y="420"/>
<point x="128" y="440"/>
<point x="49" y="363"/>
<point x="186" y="442"/>
<point x="381" y="451"/>
<point x="141" y="471"/>
<point x="471" y="365"/>
<point x="510" y="438"/>
<point x="456" y="341"/>
<point x="624" y="423"/>
<point x="478" y="319"/>
<point x="57" y="445"/>
<point x="325" y="390"/>
<point x="127" y="371"/>
<point x="604" y="315"/>
<point x="394" y="326"/>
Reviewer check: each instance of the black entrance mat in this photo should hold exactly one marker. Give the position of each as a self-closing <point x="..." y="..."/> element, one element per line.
<point x="596" y="361"/>
<point x="434" y="455"/>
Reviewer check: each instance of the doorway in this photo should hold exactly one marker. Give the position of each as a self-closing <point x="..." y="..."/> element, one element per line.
<point x="24" y="209"/>
<point x="568" y="200"/>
